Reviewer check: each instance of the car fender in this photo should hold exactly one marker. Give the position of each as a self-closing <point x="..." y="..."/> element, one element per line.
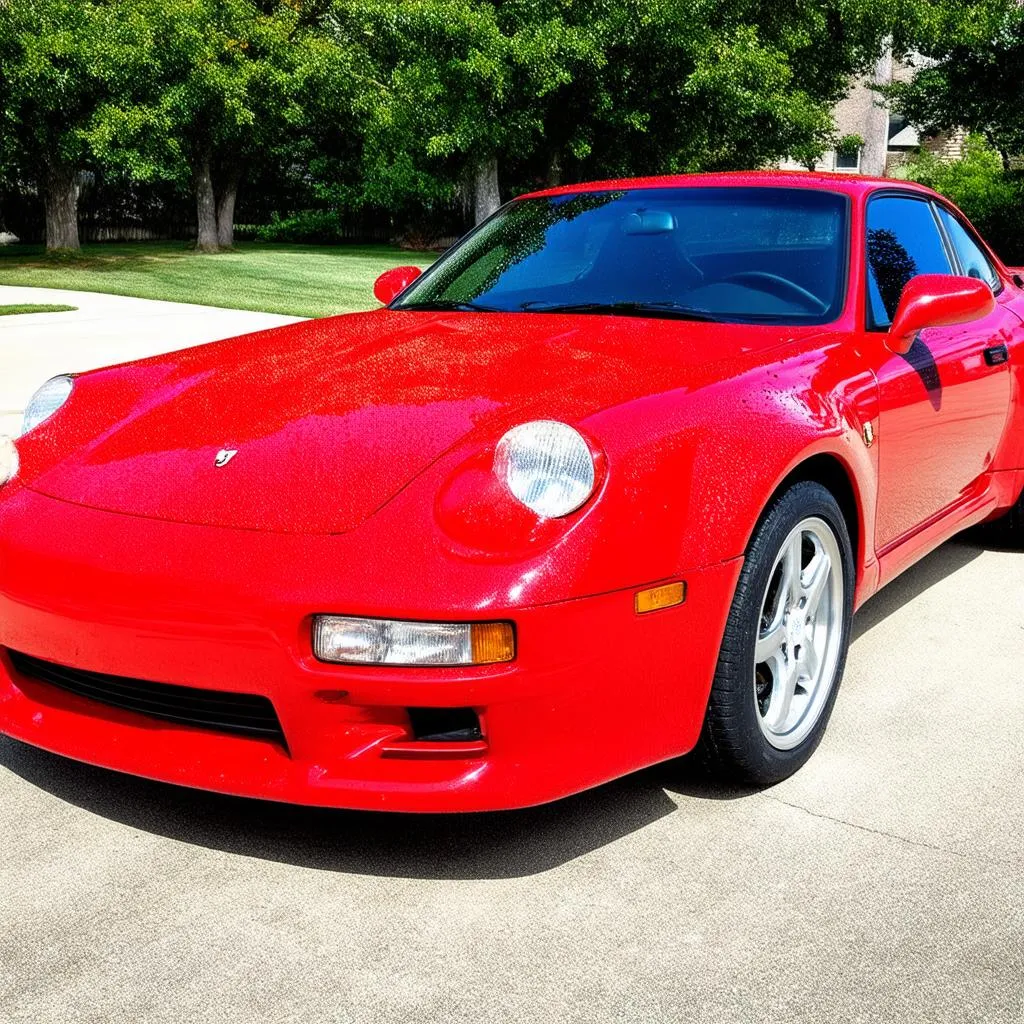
<point x="707" y="475"/>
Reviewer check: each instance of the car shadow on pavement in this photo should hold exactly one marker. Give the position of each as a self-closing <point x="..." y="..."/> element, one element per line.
<point x="506" y="844"/>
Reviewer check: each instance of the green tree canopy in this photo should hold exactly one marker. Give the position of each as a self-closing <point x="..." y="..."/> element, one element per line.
<point x="59" y="61"/>
<point x="971" y="74"/>
<point x="602" y="87"/>
<point x="399" y="103"/>
<point x="227" y="84"/>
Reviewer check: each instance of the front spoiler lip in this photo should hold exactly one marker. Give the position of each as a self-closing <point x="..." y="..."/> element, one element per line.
<point x="84" y="730"/>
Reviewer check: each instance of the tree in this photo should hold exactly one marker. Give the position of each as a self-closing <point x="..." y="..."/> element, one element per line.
<point x="970" y="78"/>
<point x="730" y="84"/>
<point x="589" y="88"/>
<point x="59" y="60"/>
<point x="227" y="83"/>
<point x="462" y="85"/>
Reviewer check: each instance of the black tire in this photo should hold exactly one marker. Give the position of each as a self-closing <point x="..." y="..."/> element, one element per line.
<point x="732" y="746"/>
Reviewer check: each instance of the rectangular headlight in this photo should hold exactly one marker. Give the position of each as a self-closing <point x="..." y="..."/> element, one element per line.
<point x="355" y="641"/>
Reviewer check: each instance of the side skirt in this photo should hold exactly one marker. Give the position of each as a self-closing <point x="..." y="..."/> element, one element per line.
<point x="988" y="494"/>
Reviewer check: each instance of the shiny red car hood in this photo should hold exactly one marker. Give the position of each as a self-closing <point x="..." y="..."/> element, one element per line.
<point x="331" y="418"/>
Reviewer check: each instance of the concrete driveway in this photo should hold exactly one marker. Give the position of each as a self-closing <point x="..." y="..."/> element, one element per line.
<point x="105" y="329"/>
<point x="885" y="882"/>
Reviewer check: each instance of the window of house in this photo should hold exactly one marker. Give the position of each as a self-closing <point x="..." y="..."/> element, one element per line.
<point x="896" y="124"/>
<point x="848" y="161"/>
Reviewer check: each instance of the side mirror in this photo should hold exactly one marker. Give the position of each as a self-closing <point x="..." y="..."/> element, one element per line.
<point x="937" y="300"/>
<point x="393" y="281"/>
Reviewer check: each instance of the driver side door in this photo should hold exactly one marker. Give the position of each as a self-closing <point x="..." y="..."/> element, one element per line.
<point x="944" y="405"/>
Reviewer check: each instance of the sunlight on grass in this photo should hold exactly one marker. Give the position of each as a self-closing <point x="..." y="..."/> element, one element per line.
<point x="296" y="280"/>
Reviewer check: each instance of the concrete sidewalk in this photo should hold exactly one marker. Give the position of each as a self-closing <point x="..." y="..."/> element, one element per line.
<point x="104" y="329"/>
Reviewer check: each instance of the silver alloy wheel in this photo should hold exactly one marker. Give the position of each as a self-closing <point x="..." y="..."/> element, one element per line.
<point x="800" y="634"/>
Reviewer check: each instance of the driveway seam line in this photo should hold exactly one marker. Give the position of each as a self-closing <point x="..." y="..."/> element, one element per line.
<point x="974" y="858"/>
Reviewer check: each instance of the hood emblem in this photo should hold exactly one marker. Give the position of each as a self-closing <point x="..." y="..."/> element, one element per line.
<point x="224" y="456"/>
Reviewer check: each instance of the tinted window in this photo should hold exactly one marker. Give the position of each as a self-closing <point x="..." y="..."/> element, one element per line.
<point x="903" y="241"/>
<point x="759" y="255"/>
<point x="973" y="261"/>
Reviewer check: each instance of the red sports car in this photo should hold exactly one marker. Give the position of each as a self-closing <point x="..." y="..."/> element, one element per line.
<point x="603" y="485"/>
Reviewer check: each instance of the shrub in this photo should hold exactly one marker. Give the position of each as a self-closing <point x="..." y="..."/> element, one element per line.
<point x="322" y="227"/>
<point x="991" y="197"/>
<point x="849" y="145"/>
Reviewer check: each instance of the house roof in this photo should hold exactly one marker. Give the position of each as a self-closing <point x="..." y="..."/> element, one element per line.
<point x="905" y="137"/>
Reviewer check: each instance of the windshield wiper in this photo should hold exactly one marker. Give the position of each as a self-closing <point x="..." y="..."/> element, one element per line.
<point x="444" y="305"/>
<point x="670" y="310"/>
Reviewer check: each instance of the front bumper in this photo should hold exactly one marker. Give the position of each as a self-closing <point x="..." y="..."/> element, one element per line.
<point x="595" y="692"/>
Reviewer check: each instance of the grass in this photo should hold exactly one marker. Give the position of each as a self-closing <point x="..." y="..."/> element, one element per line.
<point x="26" y="307"/>
<point x="298" y="280"/>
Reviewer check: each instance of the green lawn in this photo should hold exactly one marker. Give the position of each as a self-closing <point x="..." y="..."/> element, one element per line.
<point x="35" y="308"/>
<point x="300" y="280"/>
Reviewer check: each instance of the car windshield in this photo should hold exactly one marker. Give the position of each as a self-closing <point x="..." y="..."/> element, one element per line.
<point x="746" y="255"/>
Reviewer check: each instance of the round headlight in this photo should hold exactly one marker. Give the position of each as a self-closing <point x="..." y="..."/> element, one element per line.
<point x="547" y="466"/>
<point x="46" y="401"/>
<point x="8" y="460"/>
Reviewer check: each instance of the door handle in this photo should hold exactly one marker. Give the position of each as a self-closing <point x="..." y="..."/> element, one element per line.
<point x="996" y="355"/>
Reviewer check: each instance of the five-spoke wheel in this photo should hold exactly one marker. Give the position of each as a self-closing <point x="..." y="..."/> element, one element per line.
<point x="785" y="643"/>
<point x="801" y="631"/>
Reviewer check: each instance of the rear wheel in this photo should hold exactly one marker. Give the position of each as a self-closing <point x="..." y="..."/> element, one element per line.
<point x="785" y="643"/>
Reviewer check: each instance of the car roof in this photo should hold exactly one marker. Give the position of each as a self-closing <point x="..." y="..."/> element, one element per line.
<point x="850" y="184"/>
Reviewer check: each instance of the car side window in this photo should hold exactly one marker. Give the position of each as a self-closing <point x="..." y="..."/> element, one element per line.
<point x="903" y="240"/>
<point x="972" y="258"/>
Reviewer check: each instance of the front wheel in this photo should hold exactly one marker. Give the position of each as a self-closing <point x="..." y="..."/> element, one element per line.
<point x="785" y="642"/>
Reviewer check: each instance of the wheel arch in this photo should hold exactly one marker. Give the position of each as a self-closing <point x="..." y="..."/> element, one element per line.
<point x="829" y="471"/>
<point x="840" y="480"/>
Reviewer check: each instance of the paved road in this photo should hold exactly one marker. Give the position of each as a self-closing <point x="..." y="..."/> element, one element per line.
<point x="884" y="882"/>
<point x="105" y="329"/>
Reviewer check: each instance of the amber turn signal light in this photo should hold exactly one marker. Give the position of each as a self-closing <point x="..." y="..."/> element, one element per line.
<point x="657" y="598"/>
<point x="492" y="642"/>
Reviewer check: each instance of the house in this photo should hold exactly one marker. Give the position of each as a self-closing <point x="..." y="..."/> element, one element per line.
<point x="888" y="140"/>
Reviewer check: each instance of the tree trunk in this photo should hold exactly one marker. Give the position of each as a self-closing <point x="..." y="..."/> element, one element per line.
<point x="486" y="198"/>
<point x="876" y="138"/>
<point x="226" y="209"/>
<point x="206" y="208"/>
<point x="554" y="175"/>
<point x="60" y="198"/>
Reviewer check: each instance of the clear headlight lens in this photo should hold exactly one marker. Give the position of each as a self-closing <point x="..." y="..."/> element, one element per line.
<point x="46" y="401"/>
<point x="8" y="460"/>
<point x="546" y="465"/>
<point x="357" y="641"/>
